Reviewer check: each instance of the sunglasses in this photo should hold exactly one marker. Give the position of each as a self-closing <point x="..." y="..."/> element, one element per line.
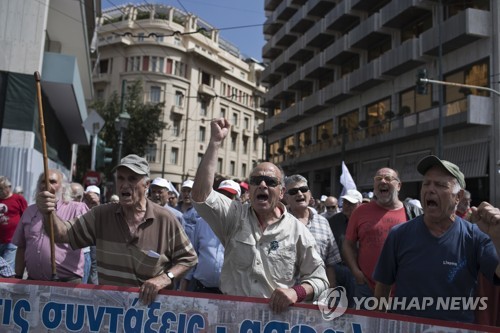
<point x="270" y="181"/>
<point x="331" y="207"/>
<point x="296" y="190"/>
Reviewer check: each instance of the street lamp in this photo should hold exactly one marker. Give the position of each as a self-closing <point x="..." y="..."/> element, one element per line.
<point x="121" y="124"/>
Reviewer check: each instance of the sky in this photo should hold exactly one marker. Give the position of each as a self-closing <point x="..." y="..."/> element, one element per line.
<point x="230" y="16"/>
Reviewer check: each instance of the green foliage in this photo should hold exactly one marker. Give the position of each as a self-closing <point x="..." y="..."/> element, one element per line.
<point x="144" y="127"/>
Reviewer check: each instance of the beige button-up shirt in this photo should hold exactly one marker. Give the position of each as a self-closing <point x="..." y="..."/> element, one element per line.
<point x="256" y="262"/>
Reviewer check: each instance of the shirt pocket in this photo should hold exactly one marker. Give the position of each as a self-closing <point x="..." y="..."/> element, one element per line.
<point x="148" y="267"/>
<point x="282" y="264"/>
<point x="242" y="255"/>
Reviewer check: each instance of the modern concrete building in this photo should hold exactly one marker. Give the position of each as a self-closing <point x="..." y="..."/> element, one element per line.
<point x="342" y="79"/>
<point x="54" y="38"/>
<point x="182" y="62"/>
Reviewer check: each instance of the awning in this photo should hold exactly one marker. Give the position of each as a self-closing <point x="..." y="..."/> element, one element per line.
<point x="471" y="159"/>
<point x="62" y="86"/>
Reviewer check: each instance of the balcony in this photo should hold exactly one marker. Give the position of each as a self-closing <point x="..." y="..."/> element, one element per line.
<point x="300" y="21"/>
<point x="401" y="59"/>
<point x="474" y="110"/>
<point x="298" y="51"/>
<point x="178" y="110"/>
<point x="366" y="77"/>
<point x="319" y="36"/>
<point x="205" y="89"/>
<point x="367" y="33"/>
<point x="282" y="119"/>
<point x="317" y="68"/>
<point x="397" y="14"/>
<point x="340" y="18"/>
<point x="271" y="4"/>
<point x="338" y="90"/>
<point x="319" y="7"/>
<point x="337" y="54"/>
<point x="458" y="31"/>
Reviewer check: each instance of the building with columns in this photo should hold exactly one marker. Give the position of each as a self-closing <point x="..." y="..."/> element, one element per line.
<point x="182" y="62"/>
<point x="342" y="87"/>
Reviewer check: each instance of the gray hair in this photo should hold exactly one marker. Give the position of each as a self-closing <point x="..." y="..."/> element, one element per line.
<point x="64" y="193"/>
<point x="295" y="179"/>
<point x="5" y="181"/>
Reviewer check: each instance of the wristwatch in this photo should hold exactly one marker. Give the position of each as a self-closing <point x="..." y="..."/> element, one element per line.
<point x="170" y="275"/>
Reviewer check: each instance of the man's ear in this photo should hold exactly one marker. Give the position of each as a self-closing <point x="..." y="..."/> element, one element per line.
<point x="460" y="195"/>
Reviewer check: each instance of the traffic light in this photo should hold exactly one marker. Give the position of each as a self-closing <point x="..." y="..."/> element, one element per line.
<point x="421" y="86"/>
<point x="104" y="155"/>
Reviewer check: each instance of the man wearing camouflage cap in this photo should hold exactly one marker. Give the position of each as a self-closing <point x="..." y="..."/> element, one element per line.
<point x="437" y="256"/>
<point x="138" y="243"/>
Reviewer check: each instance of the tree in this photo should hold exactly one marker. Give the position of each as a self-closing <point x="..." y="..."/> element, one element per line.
<point x="144" y="127"/>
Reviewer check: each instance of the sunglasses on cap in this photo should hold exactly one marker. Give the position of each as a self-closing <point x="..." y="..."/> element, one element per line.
<point x="296" y="190"/>
<point x="270" y="181"/>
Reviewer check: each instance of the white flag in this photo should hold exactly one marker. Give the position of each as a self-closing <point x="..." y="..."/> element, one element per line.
<point x="346" y="180"/>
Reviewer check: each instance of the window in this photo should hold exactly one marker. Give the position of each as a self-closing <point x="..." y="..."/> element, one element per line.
<point x="246" y="123"/>
<point x="157" y="64"/>
<point x="176" y="127"/>
<point x="245" y="145"/>
<point x="140" y="36"/>
<point x="203" y="108"/>
<point x="349" y="122"/>
<point x="349" y="65"/>
<point x="155" y="94"/>
<point x="232" y="168"/>
<point x="170" y="65"/>
<point x="151" y="152"/>
<point x="145" y="63"/>
<point x="305" y="138"/>
<point x="180" y="69"/>
<point x="415" y="28"/>
<point x="179" y="98"/>
<point x="100" y="94"/>
<point x="134" y="64"/>
<point x="201" y="136"/>
<point x="103" y="66"/>
<point x="476" y="74"/>
<point x="206" y="79"/>
<point x="234" y="139"/>
<point x="324" y="131"/>
<point x="219" y="165"/>
<point x="159" y="38"/>
<point x="223" y="112"/>
<point x="375" y="115"/>
<point x="244" y="169"/>
<point x="177" y="41"/>
<point x="235" y="119"/>
<point x="410" y="102"/>
<point x="174" y="156"/>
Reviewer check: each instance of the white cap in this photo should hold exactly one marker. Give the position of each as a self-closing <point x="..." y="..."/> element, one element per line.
<point x="323" y="198"/>
<point x="161" y="182"/>
<point x="353" y="196"/>
<point x="188" y="183"/>
<point x="93" y="188"/>
<point x="230" y="186"/>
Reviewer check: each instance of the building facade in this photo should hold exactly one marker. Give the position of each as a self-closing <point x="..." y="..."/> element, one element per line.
<point x="183" y="63"/>
<point x="342" y="78"/>
<point x="52" y="37"/>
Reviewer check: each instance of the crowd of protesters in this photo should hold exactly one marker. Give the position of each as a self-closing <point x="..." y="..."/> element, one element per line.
<point x="265" y="236"/>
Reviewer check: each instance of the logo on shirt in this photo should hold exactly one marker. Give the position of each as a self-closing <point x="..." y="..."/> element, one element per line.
<point x="273" y="246"/>
<point x="3" y="210"/>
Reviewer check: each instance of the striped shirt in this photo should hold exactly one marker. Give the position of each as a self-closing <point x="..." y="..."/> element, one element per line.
<point x="129" y="259"/>
<point x="325" y="241"/>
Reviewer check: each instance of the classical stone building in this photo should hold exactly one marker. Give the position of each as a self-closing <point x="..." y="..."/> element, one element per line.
<point x="182" y="61"/>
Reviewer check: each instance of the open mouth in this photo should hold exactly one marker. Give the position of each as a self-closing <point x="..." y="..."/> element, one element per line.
<point x="126" y="194"/>
<point x="262" y="197"/>
<point x="300" y="200"/>
<point x="431" y="203"/>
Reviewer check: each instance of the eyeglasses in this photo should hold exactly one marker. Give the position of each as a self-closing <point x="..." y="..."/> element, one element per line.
<point x="387" y="178"/>
<point x="331" y="207"/>
<point x="270" y="181"/>
<point x="296" y="190"/>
